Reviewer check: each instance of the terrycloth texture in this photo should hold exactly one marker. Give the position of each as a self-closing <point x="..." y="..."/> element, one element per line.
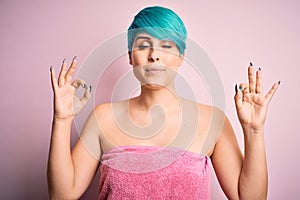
<point x="149" y="172"/>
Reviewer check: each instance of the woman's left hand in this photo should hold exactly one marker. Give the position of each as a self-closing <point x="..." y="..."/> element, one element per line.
<point x="251" y="104"/>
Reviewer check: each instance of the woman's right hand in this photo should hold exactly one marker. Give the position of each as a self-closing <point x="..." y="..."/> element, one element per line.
<point x="66" y="103"/>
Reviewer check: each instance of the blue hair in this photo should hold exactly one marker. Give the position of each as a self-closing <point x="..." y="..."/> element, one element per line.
<point x="161" y="23"/>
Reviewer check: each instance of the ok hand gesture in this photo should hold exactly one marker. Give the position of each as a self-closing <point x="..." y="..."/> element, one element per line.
<point x="251" y="104"/>
<point x="66" y="104"/>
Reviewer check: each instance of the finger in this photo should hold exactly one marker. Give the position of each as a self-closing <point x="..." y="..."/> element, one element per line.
<point x="238" y="98"/>
<point x="251" y="79"/>
<point x="258" y="81"/>
<point x="244" y="87"/>
<point x="63" y="70"/>
<point x="53" y="79"/>
<point x="86" y="96"/>
<point x="77" y="83"/>
<point x="71" y="70"/>
<point x="272" y="91"/>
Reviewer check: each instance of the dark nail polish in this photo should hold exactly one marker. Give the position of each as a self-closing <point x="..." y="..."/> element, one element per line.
<point x="259" y="69"/>
<point x="74" y="58"/>
<point x="241" y="88"/>
<point x="236" y="89"/>
<point x="251" y="64"/>
<point x="279" y="82"/>
<point x="84" y="86"/>
<point x="51" y="68"/>
<point x="64" y="60"/>
<point x="90" y="88"/>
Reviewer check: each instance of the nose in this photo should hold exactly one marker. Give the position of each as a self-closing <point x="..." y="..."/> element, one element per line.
<point x="153" y="55"/>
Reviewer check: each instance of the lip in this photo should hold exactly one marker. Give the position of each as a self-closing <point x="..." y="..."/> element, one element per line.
<point x="154" y="69"/>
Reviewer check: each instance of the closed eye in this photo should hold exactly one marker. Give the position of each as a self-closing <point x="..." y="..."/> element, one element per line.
<point x="143" y="46"/>
<point x="167" y="46"/>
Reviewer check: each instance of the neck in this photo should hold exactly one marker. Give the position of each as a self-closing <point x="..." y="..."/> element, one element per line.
<point x="162" y="96"/>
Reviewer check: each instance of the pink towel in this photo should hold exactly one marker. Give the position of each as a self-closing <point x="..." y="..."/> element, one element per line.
<point x="151" y="172"/>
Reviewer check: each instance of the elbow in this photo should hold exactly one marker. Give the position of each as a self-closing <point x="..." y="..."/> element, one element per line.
<point x="62" y="196"/>
<point x="248" y="188"/>
<point x="256" y="197"/>
<point x="250" y="195"/>
<point x="60" y="193"/>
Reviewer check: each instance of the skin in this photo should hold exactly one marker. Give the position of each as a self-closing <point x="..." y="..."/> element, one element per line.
<point x="240" y="176"/>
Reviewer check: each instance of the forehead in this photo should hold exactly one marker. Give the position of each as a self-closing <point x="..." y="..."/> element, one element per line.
<point x="145" y="36"/>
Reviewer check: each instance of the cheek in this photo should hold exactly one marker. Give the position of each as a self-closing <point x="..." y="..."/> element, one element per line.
<point x="139" y="58"/>
<point x="172" y="60"/>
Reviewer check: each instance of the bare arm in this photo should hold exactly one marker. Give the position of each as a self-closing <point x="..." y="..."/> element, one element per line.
<point x="245" y="177"/>
<point x="69" y="173"/>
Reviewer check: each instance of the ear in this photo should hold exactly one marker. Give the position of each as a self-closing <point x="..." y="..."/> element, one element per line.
<point x="181" y="59"/>
<point x="130" y="60"/>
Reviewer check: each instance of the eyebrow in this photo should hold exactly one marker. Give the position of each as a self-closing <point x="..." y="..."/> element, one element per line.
<point x="142" y="37"/>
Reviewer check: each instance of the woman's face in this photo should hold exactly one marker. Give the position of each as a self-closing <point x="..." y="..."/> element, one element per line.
<point x="155" y="62"/>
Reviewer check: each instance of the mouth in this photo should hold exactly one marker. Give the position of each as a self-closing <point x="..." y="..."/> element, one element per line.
<point x="154" y="69"/>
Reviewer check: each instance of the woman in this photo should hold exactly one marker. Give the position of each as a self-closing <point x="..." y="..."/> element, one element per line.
<point x="157" y="145"/>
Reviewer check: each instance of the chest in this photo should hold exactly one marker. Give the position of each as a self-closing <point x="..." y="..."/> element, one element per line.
<point x="185" y="131"/>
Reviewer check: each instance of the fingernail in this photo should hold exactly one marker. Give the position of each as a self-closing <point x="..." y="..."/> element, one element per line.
<point x="90" y="88"/>
<point x="241" y="88"/>
<point x="279" y="82"/>
<point x="64" y="60"/>
<point x="236" y="89"/>
<point x="259" y="69"/>
<point x="251" y="64"/>
<point x="51" y="68"/>
<point x="74" y="58"/>
<point x="84" y="86"/>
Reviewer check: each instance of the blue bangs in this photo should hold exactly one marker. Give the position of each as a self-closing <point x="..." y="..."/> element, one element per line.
<point x="161" y="23"/>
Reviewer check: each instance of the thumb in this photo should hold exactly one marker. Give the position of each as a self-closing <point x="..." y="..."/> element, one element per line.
<point x="238" y="97"/>
<point x="86" y="96"/>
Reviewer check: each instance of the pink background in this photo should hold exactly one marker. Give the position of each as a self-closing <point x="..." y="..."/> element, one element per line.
<point x="37" y="34"/>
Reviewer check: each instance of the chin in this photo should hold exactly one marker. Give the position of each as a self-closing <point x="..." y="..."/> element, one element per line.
<point x="155" y="86"/>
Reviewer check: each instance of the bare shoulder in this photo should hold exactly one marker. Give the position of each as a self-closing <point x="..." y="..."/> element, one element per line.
<point x="206" y="111"/>
<point x="211" y="120"/>
<point x="108" y="116"/>
<point x="102" y="108"/>
<point x="103" y="111"/>
<point x="209" y="109"/>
